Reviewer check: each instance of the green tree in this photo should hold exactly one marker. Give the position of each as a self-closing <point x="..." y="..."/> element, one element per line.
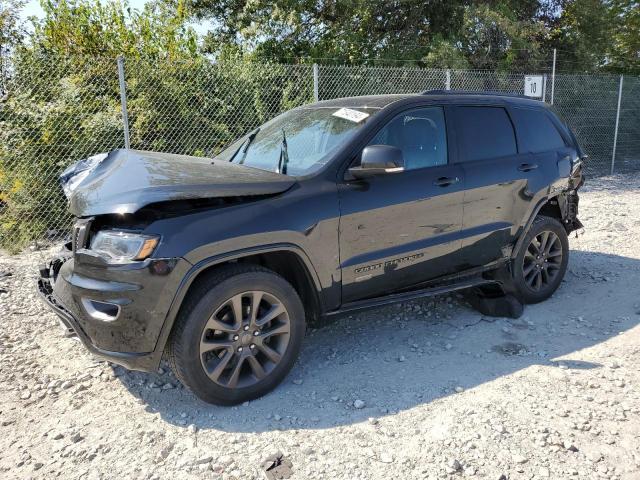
<point x="594" y="35"/>
<point x="502" y="37"/>
<point x="12" y="32"/>
<point x="456" y="34"/>
<point x="12" y="29"/>
<point x="64" y="101"/>
<point x="347" y="30"/>
<point x="111" y="28"/>
<point x="583" y="34"/>
<point x="624" y="48"/>
<point x="491" y="34"/>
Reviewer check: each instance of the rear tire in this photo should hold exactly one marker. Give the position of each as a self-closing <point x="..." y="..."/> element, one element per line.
<point x="238" y="334"/>
<point x="541" y="263"/>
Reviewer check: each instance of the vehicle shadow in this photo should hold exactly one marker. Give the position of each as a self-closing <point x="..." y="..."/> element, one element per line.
<point x="398" y="357"/>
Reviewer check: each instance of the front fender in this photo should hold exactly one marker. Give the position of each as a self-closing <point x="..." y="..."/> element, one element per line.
<point x="207" y="262"/>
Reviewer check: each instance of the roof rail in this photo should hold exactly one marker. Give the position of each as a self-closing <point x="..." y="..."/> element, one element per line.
<point x="469" y="92"/>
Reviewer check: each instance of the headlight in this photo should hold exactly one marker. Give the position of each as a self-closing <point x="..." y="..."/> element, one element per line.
<point x="122" y="247"/>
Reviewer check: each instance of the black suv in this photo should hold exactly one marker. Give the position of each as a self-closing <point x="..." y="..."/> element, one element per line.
<point x="340" y="205"/>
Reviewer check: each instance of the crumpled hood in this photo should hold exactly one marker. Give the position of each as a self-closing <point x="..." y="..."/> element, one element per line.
<point x="124" y="181"/>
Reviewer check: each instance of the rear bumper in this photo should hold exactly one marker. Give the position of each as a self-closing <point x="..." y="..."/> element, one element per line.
<point x="142" y="295"/>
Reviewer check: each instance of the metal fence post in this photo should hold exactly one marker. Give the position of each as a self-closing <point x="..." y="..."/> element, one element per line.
<point x="615" y="135"/>
<point x="544" y="87"/>
<point x="553" y="75"/>
<point x="447" y="82"/>
<point x="123" y="101"/>
<point x="315" y="82"/>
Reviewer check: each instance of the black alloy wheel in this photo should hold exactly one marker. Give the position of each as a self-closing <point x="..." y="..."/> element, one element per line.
<point x="245" y="339"/>
<point x="237" y="335"/>
<point x="542" y="261"/>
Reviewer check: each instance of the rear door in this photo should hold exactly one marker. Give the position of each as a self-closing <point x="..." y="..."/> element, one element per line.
<point x="399" y="229"/>
<point x="542" y="139"/>
<point x="500" y="182"/>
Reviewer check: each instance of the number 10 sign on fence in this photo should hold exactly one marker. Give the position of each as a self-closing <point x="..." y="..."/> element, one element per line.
<point x="534" y="86"/>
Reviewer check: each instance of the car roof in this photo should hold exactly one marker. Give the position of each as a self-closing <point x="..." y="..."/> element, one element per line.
<point x="444" y="96"/>
<point x="366" y="101"/>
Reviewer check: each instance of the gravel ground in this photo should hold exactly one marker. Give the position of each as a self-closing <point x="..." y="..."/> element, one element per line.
<point x="428" y="389"/>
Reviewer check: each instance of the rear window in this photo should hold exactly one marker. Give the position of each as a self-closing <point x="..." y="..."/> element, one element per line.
<point x="536" y="131"/>
<point x="485" y="132"/>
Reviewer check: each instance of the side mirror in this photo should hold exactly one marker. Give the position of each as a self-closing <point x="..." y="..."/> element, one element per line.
<point x="378" y="160"/>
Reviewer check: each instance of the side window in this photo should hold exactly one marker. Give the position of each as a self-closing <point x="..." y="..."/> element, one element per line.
<point x="485" y="132"/>
<point x="421" y="135"/>
<point x="536" y="131"/>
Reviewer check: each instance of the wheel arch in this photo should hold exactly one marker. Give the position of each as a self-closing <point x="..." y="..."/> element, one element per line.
<point x="531" y="281"/>
<point x="548" y="206"/>
<point x="287" y="260"/>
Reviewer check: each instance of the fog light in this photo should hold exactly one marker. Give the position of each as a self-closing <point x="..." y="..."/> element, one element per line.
<point x="104" y="311"/>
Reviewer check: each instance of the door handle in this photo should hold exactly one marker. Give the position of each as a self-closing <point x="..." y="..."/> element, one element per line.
<point x="446" y="181"/>
<point x="527" y="167"/>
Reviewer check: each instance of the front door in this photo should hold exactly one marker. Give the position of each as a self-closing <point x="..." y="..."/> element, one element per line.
<point x="400" y="229"/>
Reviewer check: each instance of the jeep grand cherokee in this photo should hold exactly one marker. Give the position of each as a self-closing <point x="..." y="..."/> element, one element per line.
<point x="218" y="265"/>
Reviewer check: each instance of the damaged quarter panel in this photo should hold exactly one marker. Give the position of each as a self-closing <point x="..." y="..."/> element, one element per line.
<point x="561" y="192"/>
<point x="563" y="187"/>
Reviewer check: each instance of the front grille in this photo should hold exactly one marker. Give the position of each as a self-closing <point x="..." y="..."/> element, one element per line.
<point x="80" y="234"/>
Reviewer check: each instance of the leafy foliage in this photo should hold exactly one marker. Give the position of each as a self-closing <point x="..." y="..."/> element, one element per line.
<point x="502" y="34"/>
<point x="93" y="27"/>
<point x="12" y="32"/>
<point x="60" y="99"/>
<point x="57" y="111"/>
<point x="64" y="102"/>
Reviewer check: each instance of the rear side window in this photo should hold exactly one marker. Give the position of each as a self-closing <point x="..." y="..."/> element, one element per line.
<point x="536" y="131"/>
<point x="485" y="132"/>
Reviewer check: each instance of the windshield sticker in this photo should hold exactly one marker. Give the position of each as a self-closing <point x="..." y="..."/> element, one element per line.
<point x="351" y="115"/>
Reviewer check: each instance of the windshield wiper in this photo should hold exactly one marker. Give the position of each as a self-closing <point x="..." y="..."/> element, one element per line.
<point x="284" y="155"/>
<point x="245" y="146"/>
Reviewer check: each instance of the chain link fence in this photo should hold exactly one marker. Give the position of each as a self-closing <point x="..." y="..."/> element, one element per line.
<point x="54" y="111"/>
<point x="588" y="103"/>
<point x="627" y="157"/>
<point x="348" y="81"/>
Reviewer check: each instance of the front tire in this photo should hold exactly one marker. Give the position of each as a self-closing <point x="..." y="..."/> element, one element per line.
<point x="238" y="334"/>
<point x="541" y="263"/>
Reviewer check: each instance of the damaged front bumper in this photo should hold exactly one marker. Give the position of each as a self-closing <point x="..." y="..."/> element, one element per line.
<point x="132" y="361"/>
<point x="117" y="312"/>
